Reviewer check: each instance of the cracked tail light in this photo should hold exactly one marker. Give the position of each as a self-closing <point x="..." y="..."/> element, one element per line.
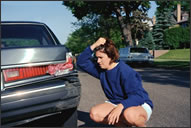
<point x="63" y="68"/>
<point x="29" y="72"/>
<point x="23" y="73"/>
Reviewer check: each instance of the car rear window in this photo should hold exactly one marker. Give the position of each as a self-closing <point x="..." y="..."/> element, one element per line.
<point x="123" y="51"/>
<point x="138" y="50"/>
<point x="24" y="36"/>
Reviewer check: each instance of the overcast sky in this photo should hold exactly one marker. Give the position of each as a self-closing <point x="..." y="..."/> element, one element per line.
<point x="52" y="13"/>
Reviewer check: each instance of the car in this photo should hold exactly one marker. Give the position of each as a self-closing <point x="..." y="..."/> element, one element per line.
<point x="38" y="76"/>
<point x="135" y="55"/>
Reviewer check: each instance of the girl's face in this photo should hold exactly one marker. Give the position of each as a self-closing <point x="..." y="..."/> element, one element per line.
<point x="103" y="60"/>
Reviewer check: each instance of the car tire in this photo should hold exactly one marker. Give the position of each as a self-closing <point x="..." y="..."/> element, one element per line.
<point x="70" y="121"/>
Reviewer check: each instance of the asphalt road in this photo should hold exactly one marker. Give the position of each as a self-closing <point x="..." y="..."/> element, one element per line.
<point x="168" y="89"/>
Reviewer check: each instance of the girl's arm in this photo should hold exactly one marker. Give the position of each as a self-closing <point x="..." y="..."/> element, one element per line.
<point x="85" y="62"/>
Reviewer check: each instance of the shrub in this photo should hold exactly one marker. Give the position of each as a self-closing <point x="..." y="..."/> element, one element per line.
<point x="177" y="37"/>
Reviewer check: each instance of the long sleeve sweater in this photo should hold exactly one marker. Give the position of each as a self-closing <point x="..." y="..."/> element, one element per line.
<point x="121" y="84"/>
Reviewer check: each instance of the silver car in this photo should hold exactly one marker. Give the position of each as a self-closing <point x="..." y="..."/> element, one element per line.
<point x="135" y="55"/>
<point x="38" y="78"/>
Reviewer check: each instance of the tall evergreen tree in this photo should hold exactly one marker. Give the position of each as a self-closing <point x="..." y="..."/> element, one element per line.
<point x="163" y="22"/>
<point x="147" y="41"/>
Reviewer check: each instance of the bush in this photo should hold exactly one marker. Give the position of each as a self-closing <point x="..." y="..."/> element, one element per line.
<point x="177" y="37"/>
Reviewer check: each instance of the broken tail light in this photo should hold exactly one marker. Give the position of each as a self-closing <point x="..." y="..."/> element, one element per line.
<point x="29" y="72"/>
<point x="63" y="68"/>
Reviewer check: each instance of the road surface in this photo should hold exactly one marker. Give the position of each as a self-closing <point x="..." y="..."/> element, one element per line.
<point x="168" y="89"/>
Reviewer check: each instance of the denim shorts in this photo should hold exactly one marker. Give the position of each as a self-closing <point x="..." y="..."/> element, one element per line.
<point x="145" y="106"/>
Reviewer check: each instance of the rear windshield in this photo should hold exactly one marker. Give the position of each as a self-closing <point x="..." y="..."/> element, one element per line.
<point x="139" y="50"/>
<point x="24" y="36"/>
<point x="123" y="51"/>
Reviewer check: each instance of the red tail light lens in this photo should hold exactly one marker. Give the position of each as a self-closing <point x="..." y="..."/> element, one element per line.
<point x="23" y="73"/>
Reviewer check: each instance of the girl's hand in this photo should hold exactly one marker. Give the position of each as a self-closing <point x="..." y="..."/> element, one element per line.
<point x="99" y="42"/>
<point x="114" y="115"/>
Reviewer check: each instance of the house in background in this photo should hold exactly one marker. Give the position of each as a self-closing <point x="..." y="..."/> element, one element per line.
<point x="182" y="17"/>
<point x="179" y="17"/>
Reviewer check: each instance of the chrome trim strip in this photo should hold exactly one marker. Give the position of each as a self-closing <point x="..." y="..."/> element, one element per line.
<point x="34" y="91"/>
<point x="31" y="23"/>
<point x="2" y="87"/>
<point x="26" y="81"/>
<point x="31" y="64"/>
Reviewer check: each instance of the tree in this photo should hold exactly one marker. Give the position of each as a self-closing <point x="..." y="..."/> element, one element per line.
<point x="140" y="25"/>
<point x="163" y="22"/>
<point x="147" y="41"/>
<point x="90" y="29"/>
<point x="177" y="37"/>
<point x="122" y="10"/>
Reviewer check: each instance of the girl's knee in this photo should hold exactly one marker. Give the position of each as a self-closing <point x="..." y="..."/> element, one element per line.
<point x="129" y="114"/>
<point x="129" y="118"/>
<point x="94" y="115"/>
<point x="133" y="117"/>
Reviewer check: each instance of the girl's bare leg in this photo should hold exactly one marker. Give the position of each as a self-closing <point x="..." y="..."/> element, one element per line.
<point x="135" y="116"/>
<point x="100" y="112"/>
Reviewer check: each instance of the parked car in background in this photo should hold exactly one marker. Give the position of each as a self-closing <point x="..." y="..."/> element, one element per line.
<point x="38" y="78"/>
<point x="135" y="55"/>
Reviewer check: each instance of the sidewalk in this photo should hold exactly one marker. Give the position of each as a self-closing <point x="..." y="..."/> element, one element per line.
<point x="157" y="60"/>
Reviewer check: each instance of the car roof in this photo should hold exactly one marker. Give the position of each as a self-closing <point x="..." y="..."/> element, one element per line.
<point x="132" y="47"/>
<point x="22" y="22"/>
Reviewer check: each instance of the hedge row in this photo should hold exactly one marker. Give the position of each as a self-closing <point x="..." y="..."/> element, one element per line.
<point x="177" y="37"/>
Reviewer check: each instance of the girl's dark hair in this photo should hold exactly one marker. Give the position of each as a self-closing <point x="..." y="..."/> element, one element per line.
<point x="109" y="49"/>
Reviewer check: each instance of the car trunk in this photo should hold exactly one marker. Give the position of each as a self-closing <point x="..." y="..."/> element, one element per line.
<point x="23" y="56"/>
<point x="23" y="65"/>
<point x="139" y="55"/>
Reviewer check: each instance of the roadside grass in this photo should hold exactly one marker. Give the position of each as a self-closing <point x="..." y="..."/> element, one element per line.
<point x="178" y="54"/>
<point x="176" y="59"/>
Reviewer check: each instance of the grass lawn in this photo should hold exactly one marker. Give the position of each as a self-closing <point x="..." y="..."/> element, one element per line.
<point x="178" y="59"/>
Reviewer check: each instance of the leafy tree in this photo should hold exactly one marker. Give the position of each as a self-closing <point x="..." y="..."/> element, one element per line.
<point x="122" y="10"/>
<point x="90" y="29"/>
<point x="74" y="42"/>
<point x="139" y="26"/>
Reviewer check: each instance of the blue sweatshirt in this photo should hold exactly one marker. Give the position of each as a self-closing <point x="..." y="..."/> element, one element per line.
<point x="121" y="84"/>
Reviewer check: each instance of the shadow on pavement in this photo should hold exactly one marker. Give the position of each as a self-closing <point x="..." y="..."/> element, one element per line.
<point x="84" y="117"/>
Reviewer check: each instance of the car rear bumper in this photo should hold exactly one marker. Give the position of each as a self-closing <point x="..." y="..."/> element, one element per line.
<point x="37" y="100"/>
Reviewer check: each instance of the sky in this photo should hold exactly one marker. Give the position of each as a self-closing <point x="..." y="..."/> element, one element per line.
<point x="52" y="13"/>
